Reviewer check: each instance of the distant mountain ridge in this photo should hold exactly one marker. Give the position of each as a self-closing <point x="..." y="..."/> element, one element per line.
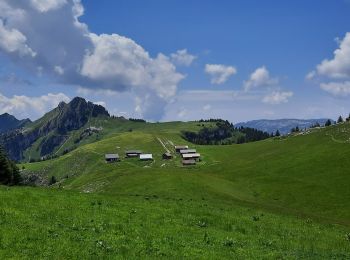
<point x="284" y="126"/>
<point x="52" y="130"/>
<point x="9" y="122"/>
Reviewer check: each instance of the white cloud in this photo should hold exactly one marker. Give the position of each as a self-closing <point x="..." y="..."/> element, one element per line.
<point x="32" y="107"/>
<point x="214" y="95"/>
<point x="12" y="40"/>
<point x="277" y="97"/>
<point x="101" y="103"/>
<point x="73" y="55"/>
<point x="120" y="63"/>
<point x="59" y="70"/>
<point x="339" y="66"/>
<point x="47" y="5"/>
<point x="259" y="78"/>
<point x="94" y="92"/>
<point x="311" y="75"/>
<point x="219" y="73"/>
<point x="207" y="107"/>
<point x="341" y="89"/>
<point x="182" y="58"/>
<point x="150" y="106"/>
<point x="336" y="68"/>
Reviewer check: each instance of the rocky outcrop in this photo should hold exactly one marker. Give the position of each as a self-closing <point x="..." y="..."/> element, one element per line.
<point x="9" y="122"/>
<point x="56" y="124"/>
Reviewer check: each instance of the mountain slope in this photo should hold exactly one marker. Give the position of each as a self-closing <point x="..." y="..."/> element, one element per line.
<point x="9" y="122"/>
<point x="284" y="126"/>
<point x="53" y="129"/>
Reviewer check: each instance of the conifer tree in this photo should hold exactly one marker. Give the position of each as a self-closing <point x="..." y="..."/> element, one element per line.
<point x="9" y="172"/>
<point x="340" y="120"/>
<point x="328" y="123"/>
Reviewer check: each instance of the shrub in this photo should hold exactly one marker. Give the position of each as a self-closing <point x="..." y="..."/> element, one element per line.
<point x="52" y="180"/>
<point x="229" y="242"/>
<point x="347" y="236"/>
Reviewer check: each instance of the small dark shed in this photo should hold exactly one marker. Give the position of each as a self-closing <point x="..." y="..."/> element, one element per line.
<point x="167" y="156"/>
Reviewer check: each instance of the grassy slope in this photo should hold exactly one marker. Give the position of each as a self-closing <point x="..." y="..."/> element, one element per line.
<point x="305" y="176"/>
<point x="61" y="224"/>
<point x="110" y="126"/>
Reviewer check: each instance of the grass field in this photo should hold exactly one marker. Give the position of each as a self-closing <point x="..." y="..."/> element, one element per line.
<point x="279" y="198"/>
<point x="38" y="223"/>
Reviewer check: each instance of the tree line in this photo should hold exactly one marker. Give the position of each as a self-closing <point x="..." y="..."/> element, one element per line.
<point x="251" y="135"/>
<point x="224" y="133"/>
<point x="327" y="123"/>
<point x="9" y="172"/>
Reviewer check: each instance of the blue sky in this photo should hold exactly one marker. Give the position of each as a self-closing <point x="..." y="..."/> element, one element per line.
<point x="177" y="60"/>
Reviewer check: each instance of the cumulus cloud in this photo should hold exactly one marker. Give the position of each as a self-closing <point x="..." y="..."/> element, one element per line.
<point x="339" y="66"/>
<point x="118" y="62"/>
<point x="182" y="58"/>
<point x="12" y="40"/>
<point x="34" y="107"/>
<point x="341" y="89"/>
<point x="277" y="97"/>
<point x="47" y="5"/>
<point x="150" y="106"/>
<point x="259" y="78"/>
<point x="337" y="69"/>
<point x="219" y="73"/>
<point x="46" y="36"/>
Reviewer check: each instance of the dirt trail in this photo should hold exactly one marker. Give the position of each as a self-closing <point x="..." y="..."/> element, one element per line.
<point x="161" y="142"/>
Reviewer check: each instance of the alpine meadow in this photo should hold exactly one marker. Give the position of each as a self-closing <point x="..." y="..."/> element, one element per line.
<point x="174" y="129"/>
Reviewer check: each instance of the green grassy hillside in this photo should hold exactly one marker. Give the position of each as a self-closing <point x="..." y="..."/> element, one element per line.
<point x="289" y="194"/>
<point x="37" y="223"/>
<point x="307" y="174"/>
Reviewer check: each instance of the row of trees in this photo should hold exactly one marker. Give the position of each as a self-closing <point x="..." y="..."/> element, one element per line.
<point x="137" y="120"/>
<point x="211" y="135"/>
<point x="251" y="135"/>
<point x="224" y="133"/>
<point x="9" y="172"/>
<point x="328" y="123"/>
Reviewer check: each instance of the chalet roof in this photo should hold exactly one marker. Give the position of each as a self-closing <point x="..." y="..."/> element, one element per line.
<point x="188" y="151"/>
<point x="189" y="162"/>
<point x="133" y="152"/>
<point x="191" y="155"/>
<point x="177" y="147"/>
<point x="111" y="156"/>
<point x="146" y="156"/>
